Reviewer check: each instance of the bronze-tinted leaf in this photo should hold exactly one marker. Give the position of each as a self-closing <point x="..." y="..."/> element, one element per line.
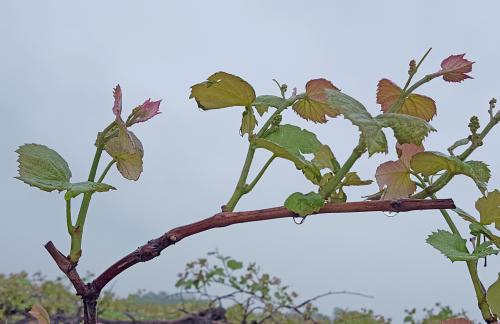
<point x="223" y="90"/>
<point x="455" y="68"/>
<point x="416" y="105"/>
<point x="314" y="106"/>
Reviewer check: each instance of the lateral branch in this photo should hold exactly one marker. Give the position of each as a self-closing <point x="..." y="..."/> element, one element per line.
<point x="154" y="247"/>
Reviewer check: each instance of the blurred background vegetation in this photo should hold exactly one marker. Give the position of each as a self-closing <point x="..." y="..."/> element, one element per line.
<point x="244" y="293"/>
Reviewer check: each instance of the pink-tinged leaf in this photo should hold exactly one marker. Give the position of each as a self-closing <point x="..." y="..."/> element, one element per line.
<point x="315" y="89"/>
<point x="117" y="106"/>
<point x="394" y="178"/>
<point x="455" y="68"/>
<point x="407" y="151"/>
<point x="314" y="106"/>
<point x="414" y="104"/>
<point x="146" y="111"/>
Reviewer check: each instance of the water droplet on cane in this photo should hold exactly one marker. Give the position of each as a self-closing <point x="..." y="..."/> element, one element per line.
<point x="390" y="213"/>
<point x="299" y="220"/>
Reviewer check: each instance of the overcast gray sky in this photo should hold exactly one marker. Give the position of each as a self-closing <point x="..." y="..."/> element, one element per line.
<point x="60" y="61"/>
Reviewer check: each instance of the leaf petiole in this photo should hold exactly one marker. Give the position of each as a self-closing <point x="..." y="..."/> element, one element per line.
<point x="69" y="223"/>
<point x="105" y="172"/>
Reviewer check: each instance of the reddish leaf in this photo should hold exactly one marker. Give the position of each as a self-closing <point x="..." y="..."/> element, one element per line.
<point x="394" y="176"/>
<point x="414" y="104"/>
<point x="314" y="106"/>
<point x="146" y="111"/>
<point x="315" y="89"/>
<point x="455" y="68"/>
<point x="117" y="106"/>
<point x="407" y="151"/>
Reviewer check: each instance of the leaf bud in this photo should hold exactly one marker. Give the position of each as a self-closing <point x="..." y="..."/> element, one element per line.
<point x="277" y="120"/>
<point x="413" y="67"/>
<point x="474" y="124"/>
<point x="492" y="103"/>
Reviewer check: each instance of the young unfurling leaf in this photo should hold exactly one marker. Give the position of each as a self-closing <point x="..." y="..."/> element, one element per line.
<point x="248" y="122"/>
<point x="489" y="208"/>
<point x="117" y="105"/>
<point x="144" y="112"/>
<point x="454" y="248"/>
<point x="314" y="106"/>
<point x="223" y="90"/>
<point x="304" y="204"/>
<point x="127" y="150"/>
<point x="455" y="68"/>
<point x="416" y="105"/>
<point x="394" y="176"/>
<point x="430" y="163"/>
<point x="140" y="114"/>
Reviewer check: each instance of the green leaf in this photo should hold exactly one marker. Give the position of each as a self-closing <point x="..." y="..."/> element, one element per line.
<point x="248" y="122"/>
<point x="74" y="189"/>
<point x="262" y="103"/>
<point x="338" y="197"/>
<point x="454" y="247"/>
<point x="355" y="112"/>
<point x="291" y="142"/>
<point x="353" y="179"/>
<point x="127" y="150"/>
<point x="493" y="297"/>
<point x="480" y="170"/>
<point x="324" y="159"/>
<point x="261" y="109"/>
<point x="430" y="163"/>
<point x="234" y="265"/>
<point x="489" y="208"/>
<point x="476" y="229"/>
<point x="304" y="205"/>
<point x="222" y="90"/>
<point x="42" y="167"/>
<point x="407" y="129"/>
